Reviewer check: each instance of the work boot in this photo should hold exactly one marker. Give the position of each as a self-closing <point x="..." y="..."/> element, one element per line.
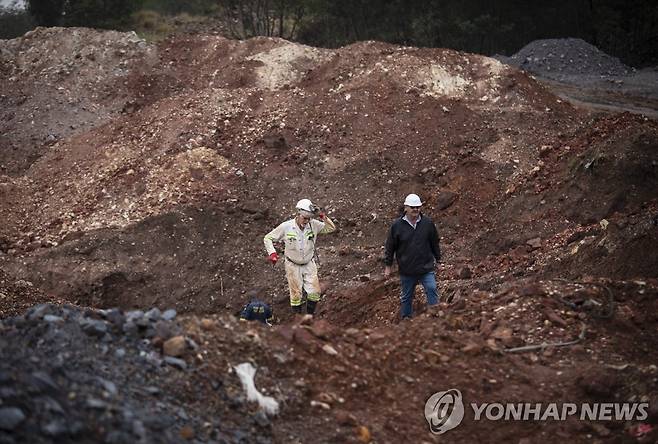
<point x="297" y="309"/>
<point x="310" y="307"/>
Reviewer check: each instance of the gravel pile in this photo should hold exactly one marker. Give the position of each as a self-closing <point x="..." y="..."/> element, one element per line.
<point x="560" y="58"/>
<point x="74" y="375"/>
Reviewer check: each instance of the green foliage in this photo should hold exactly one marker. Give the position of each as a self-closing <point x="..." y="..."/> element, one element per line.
<point x="177" y="7"/>
<point x="14" y="23"/>
<point x="151" y="25"/>
<point x="89" y="13"/>
<point x="626" y="29"/>
<point x="45" y="12"/>
<point x="98" y="13"/>
<point x="248" y="18"/>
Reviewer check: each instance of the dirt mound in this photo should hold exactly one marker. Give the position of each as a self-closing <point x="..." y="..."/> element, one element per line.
<point x="18" y="295"/>
<point x="606" y="172"/>
<point x="587" y="77"/>
<point x="182" y="150"/>
<point x="102" y="375"/>
<point x="372" y="377"/>
<point x="365" y="111"/>
<point x="555" y="58"/>
<point x="72" y="55"/>
<point x="284" y="65"/>
<point x="58" y="82"/>
<point x="205" y="145"/>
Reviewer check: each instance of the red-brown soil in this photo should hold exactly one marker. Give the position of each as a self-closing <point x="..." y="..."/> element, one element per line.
<point x="136" y="175"/>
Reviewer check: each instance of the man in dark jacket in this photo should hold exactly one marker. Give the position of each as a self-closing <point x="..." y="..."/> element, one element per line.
<point x="414" y="241"/>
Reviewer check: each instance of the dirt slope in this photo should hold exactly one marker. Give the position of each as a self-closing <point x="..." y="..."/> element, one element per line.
<point x="169" y="163"/>
<point x="355" y="129"/>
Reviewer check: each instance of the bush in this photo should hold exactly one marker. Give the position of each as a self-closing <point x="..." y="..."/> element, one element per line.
<point x="176" y="7"/>
<point x="89" y="13"/>
<point x="45" y="12"/>
<point x="14" y="23"/>
<point x="98" y="13"/>
<point x="151" y="25"/>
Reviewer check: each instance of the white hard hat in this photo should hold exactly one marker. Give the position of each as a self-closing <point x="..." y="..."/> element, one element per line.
<point x="412" y="200"/>
<point x="305" y="205"/>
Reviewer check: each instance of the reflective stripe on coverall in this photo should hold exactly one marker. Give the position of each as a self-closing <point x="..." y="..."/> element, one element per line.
<point x="305" y="276"/>
<point x="301" y="269"/>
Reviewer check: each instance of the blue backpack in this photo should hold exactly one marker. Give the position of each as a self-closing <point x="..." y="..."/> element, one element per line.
<point x="257" y="311"/>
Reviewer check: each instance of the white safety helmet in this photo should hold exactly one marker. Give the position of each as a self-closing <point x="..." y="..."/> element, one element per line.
<point x="305" y="205"/>
<point x="412" y="200"/>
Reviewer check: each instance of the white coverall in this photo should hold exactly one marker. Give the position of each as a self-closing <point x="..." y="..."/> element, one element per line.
<point x="301" y="269"/>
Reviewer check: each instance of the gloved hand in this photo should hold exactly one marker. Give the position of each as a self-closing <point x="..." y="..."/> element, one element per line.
<point x="317" y="211"/>
<point x="273" y="258"/>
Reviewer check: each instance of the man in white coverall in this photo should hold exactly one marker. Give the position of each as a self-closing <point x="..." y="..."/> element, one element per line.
<point x="299" y="235"/>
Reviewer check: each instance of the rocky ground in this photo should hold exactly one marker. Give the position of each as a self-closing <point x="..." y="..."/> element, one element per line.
<point x="138" y="176"/>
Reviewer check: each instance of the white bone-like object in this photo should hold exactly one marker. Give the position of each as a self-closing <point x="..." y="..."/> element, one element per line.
<point x="246" y="373"/>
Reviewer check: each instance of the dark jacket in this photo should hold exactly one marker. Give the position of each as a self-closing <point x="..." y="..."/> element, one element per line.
<point x="416" y="250"/>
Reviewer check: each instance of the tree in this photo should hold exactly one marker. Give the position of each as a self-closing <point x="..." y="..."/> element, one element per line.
<point x="14" y="22"/>
<point x="98" y="13"/>
<point x="90" y="13"/>
<point x="46" y="12"/>
<point x="249" y="18"/>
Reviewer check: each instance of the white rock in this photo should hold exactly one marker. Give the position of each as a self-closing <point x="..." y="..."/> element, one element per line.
<point x="246" y="373"/>
<point x="328" y="349"/>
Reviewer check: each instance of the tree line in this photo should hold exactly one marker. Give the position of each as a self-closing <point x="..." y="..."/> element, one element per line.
<point x="627" y="29"/>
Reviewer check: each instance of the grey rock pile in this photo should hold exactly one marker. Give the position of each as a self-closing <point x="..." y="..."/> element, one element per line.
<point x="80" y="375"/>
<point x="559" y="58"/>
